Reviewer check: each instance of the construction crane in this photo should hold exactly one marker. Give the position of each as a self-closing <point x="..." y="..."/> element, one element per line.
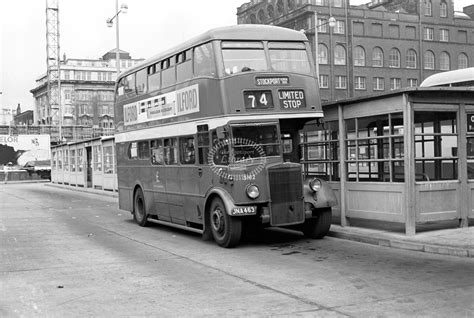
<point x="53" y="110"/>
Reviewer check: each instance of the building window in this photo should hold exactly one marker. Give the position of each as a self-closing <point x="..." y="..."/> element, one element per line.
<point x="394" y="58"/>
<point x="428" y="34"/>
<point x="462" y="61"/>
<point x="280" y="7"/>
<point x="444" y="35"/>
<point x="340" y="27"/>
<point x="436" y="143"/>
<point x="411" y="58"/>
<point x="261" y="16"/>
<point x="359" y="83"/>
<point x="359" y="56"/>
<point x="270" y="11"/>
<point x="337" y="3"/>
<point x="322" y="25"/>
<point x="341" y="82"/>
<point x="429" y="60"/>
<point x="444" y="61"/>
<point x="377" y="57"/>
<point x="322" y="54"/>
<point x="339" y="55"/>
<point x="395" y="83"/>
<point x="379" y="84"/>
<point x="428" y="8"/>
<point x="323" y="81"/>
<point x="412" y="82"/>
<point x="375" y="148"/>
<point x="443" y="9"/>
<point x="321" y="2"/>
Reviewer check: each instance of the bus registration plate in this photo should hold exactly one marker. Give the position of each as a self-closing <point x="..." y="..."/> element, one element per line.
<point x="291" y="99"/>
<point x="244" y="210"/>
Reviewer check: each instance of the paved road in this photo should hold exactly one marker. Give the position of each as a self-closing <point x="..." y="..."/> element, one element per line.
<point x="73" y="254"/>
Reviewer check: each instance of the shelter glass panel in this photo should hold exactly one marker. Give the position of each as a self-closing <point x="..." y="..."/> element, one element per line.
<point x="436" y="146"/>
<point x="375" y="148"/>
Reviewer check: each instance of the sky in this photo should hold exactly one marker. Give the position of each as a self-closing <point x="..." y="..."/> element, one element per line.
<point x="149" y="27"/>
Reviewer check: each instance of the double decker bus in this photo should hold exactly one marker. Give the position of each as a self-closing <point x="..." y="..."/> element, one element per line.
<point x="208" y="135"/>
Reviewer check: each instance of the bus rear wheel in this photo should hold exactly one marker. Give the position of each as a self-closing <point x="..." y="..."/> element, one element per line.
<point x="318" y="227"/>
<point x="226" y="230"/>
<point x="139" y="211"/>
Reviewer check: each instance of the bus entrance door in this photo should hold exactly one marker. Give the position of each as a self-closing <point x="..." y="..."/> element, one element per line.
<point x="89" y="166"/>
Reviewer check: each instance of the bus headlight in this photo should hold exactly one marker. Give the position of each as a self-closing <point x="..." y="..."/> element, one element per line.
<point x="315" y="185"/>
<point x="252" y="191"/>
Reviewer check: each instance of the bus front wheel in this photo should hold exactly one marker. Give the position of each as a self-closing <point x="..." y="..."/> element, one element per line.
<point x="318" y="227"/>
<point x="139" y="211"/>
<point x="226" y="230"/>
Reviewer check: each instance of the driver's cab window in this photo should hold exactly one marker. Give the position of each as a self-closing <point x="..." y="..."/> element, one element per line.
<point x="220" y="148"/>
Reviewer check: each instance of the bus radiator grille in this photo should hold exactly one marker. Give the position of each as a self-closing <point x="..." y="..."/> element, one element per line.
<point x="286" y="193"/>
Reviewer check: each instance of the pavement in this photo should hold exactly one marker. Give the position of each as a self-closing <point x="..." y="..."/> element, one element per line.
<point x="444" y="238"/>
<point x="447" y="241"/>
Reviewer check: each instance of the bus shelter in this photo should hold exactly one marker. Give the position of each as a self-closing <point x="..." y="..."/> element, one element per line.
<point x="86" y="164"/>
<point x="406" y="156"/>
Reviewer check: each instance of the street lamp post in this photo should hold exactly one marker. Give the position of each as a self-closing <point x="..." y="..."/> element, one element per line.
<point x="110" y="23"/>
<point x="332" y="23"/>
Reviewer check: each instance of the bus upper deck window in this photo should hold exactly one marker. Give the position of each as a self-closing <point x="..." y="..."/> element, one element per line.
<point x="289" y="57"/>
<point x="204" y="62"/>
<point x="243" y="57"/>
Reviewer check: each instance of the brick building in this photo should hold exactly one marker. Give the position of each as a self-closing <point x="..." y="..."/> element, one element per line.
<point x="380" y="46"/>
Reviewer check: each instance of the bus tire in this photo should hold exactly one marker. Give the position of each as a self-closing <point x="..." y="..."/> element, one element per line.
<point x="139" y="211"/>
<point x="317" y="228"/>
<point x="226" y="229"/>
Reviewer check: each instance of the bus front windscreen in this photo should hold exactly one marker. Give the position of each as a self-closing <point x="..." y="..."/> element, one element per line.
<point x="255" y="141"/>
<point x="243" y="57"/>
<point x="289" y="57"/>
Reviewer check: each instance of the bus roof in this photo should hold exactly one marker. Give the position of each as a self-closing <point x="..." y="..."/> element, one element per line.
<point x="234" y="32"/>
<point x="450" y="77"/>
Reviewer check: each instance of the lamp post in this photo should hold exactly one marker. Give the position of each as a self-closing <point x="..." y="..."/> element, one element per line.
<point x="110" y="23"/>
<point x="332" y="23"/>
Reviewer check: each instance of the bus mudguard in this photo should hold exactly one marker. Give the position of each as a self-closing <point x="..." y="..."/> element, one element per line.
<point x="224" y="195"/>
<point x="324" y="197"/>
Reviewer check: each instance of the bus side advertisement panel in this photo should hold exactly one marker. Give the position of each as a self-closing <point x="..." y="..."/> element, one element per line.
<point x="180" y="102"/>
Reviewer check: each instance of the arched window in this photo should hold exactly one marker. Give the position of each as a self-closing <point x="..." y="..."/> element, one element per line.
<point x="253" y="19"/>
<point x="339" y="55"/>
<point x="291" y="4"/>
<point x="411" y="58"/>
<point x="359" y="56"/>
<point x="428" y="8"/>
<point x="394" y="58"/>
<point x="280" y="7"/>
<point x="444" y="61"/>
<point x="270" y="11"/>
<point x="429" y="62"/>
<point x="261" y="16"/>
<point x="463" y="61"/>
<point x="322" y="54"/>
<point x="443" y="9"/>
<point x="377" y="57"/>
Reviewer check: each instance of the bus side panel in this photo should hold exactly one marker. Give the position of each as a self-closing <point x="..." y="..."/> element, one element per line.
<point x="125" y="199"/>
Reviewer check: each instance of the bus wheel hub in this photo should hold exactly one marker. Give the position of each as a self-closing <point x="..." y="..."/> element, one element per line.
<point x="218" y="220"/>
